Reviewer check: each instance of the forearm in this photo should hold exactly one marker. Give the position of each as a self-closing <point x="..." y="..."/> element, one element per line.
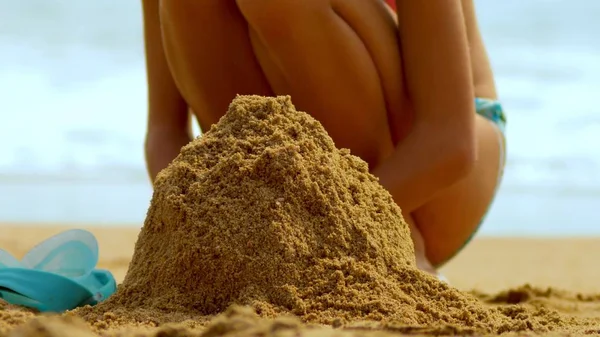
<point x="440" y="149"/>
<point x="422" y="166"/>
<point x="161" y="147"/>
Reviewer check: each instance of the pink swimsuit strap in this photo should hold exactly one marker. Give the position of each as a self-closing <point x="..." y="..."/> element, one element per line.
<point x="391" y="3"/>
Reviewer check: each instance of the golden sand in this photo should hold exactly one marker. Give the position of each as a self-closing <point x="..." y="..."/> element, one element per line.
<point x="569" y="285"/>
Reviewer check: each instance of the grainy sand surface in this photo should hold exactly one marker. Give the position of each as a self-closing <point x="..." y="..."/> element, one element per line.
<point x="495" y="269"/>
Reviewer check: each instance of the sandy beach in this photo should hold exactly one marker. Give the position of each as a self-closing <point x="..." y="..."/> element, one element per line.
<point x="488" y="267"/>
<point x="262" y="227"/>
<point x="488" y="264"/>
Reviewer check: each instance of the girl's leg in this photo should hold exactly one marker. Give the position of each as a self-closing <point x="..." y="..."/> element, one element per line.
<point x="339" y="60"/>
<point x="448" y="221"/>
<point x="210" y="56"/>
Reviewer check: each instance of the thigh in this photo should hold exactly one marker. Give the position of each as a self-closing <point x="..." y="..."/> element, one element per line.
<point x="376" y="25"/>
<point x="451" y="218"/>
<point x="340" y="61"/>
<point x="209" y="53"/>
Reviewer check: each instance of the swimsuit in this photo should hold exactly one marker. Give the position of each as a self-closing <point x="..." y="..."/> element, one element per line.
<point x="391" y="3"/>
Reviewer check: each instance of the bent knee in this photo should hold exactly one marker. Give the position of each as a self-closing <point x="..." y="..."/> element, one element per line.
<point x="274" y="19"/>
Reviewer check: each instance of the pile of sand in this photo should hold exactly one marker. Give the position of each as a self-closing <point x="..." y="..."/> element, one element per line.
<point x="265" y="211"/>
<point x="263" y="218"/>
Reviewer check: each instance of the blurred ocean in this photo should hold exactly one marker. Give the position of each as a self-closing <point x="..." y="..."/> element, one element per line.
<point x="73" y="104"/>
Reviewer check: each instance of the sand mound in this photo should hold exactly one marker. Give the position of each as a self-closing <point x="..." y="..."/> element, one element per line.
<point x="264" y="211"/>
<point x="256" y="210"/>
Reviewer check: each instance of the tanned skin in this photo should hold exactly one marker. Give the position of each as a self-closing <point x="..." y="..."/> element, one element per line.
<point x="397" y="90"/>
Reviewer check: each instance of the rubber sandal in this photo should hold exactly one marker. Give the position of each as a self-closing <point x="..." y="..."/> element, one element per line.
<point x="56" y="275"/>
<point x="72" y="253"/>
<point x="49" y="292"/>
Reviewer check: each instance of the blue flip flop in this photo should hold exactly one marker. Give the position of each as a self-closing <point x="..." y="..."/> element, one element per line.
<point x="56" y="275"/>
<point x="48" y="292"/>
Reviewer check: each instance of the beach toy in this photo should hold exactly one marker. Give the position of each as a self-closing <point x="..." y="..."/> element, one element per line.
<point x="56" y="275"/>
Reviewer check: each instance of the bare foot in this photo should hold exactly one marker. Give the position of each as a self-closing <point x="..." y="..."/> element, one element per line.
<point x="424" y="265"/>
<point x="420" y="257"/>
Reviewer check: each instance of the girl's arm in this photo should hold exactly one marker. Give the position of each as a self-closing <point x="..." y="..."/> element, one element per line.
<point x="440" y="149"/>
<point x="169" y="125"/>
